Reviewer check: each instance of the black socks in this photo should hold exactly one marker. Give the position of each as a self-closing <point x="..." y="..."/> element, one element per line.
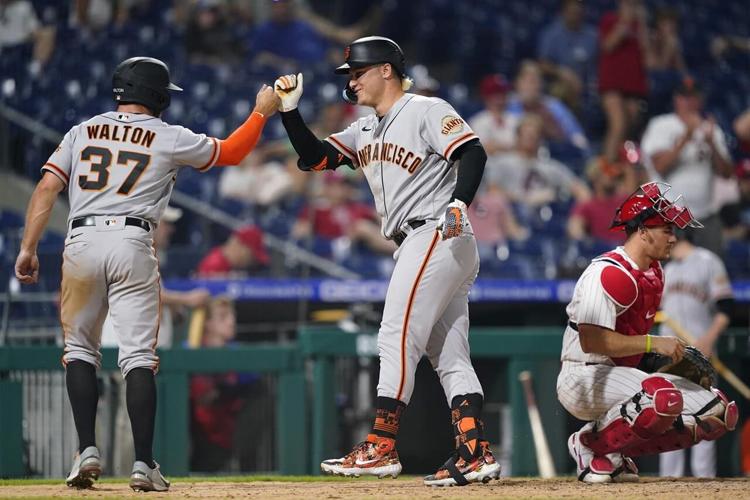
<point x="83" y="392"/>
<point x="141" y="401"/>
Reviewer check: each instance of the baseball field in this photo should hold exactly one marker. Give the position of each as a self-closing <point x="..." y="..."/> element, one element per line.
<point x="409" y="487"/>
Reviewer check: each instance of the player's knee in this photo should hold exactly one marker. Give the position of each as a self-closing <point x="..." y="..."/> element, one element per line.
<point x="82" y="354"/>
<point x="667" y="399"/>
<point x="666" y="405"/>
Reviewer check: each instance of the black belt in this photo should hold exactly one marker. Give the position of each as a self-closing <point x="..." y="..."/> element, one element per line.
<point x="90" y="220"/>
<point x="573" y="325"/>
<point x="400" y="236"/>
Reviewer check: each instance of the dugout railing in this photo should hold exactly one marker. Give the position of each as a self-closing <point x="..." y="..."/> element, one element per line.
<point x="307" y="418"/>
<point x="172" y="435"/>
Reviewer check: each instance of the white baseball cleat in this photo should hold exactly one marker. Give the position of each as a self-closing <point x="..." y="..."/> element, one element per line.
<point x="144" y="478"/>
<point x="591" y="469"/>
<point x="86" y="469"/>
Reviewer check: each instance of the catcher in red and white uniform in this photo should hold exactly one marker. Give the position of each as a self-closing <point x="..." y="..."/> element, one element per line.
<point x="631" y="412"/>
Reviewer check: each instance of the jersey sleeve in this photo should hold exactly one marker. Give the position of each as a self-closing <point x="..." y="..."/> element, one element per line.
<point x="719" y="285"/>
<point x="196" y="150"/>
<point x="60" y="163"/>
<point x="604" y="294"/>
<point x="346" y="142"/>
<point x="444" y="130"/>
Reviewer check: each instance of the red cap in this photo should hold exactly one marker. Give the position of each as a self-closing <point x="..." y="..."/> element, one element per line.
<point x="252" y="237"/>
<point x="493" y="85"/>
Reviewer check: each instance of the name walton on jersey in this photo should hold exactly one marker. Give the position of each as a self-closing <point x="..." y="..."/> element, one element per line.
<point x="126" y="133"/>
<point x="389" y="152"/>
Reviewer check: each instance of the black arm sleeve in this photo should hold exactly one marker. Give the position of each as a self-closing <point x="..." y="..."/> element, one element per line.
<point x="725" y="306"/>
<point x="470" y="170"/>
<point x="314" y="154"/>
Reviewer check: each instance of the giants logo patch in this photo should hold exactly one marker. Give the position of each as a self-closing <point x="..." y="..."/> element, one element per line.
<point x="451" y="125"/>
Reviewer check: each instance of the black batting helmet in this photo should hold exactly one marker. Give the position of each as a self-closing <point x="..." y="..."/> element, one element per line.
<point x="373" y="50"/>
<point x="143" y="80"/>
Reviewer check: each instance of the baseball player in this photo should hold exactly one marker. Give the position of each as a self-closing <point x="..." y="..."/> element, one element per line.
<point x="409" y="151"/>
<point x="119" y="168"/>
<point x="698" y="292"/>
<point x="630" y="412"/>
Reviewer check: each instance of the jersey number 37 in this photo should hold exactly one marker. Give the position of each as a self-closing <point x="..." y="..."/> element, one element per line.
<point x="101" y="159"/>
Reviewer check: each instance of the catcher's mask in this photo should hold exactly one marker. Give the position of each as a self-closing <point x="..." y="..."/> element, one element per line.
<point x="143" y="80"/>
<point x="366" y="52"/>
<point x="648" y="206"/>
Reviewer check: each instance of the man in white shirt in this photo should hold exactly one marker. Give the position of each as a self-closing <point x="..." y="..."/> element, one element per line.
<point x="687" y="150"/>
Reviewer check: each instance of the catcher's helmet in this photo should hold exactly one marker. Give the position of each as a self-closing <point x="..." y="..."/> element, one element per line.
<point x="143" y="80"/>
<point x="372" y="50"/>
<point x="649" y="207"/>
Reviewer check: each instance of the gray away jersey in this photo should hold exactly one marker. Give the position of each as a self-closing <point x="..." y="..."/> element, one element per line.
<point x="405" y="157"/>
<point x="126" y="164"/>
<point x="691" y="288"/>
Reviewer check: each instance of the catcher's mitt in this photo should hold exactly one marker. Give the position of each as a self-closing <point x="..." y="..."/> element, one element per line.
<point x="694" y="366"/>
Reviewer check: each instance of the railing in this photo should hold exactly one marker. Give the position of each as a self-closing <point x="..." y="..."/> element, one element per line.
<point x="298" y="448"/>
<point x="172" y="436"/>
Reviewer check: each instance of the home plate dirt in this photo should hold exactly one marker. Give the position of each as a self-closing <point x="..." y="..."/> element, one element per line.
<point x="405" y="488"/>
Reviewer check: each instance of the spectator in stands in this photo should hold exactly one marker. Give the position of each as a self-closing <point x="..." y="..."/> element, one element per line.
<point x="493" y="221"/>
<point x="243" y="252"/>
<point x="336" y="217"/>
<point x="687" y="150"/>
<point x="736" y="216"/>
<point x="211" y="37"/>
<point x="494" y="126"/>
<point x="666" y="66"/>
<point x="530" y="179"/>
<point x="567" y="54"/>
<point x="590" y="220"/>
<point x="262" y="178"/>
<point x="560" y="125"/>
<point x="424" y="83"/>
<point x="623" y="45"/>
<point x="723" y="45"/>
<point x="216" y="399"/>
<point x="276" y="45"/>
<point x="20" y="29"/>
<point x="741" y="127"/>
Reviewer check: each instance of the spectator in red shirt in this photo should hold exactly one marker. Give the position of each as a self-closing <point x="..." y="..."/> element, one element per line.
<point x="612" y="183"/>
<point x="243" y="251"/>
<point x="336" y="215"/>
<point x="215" y="399"/>
<point x="623" y="44"/>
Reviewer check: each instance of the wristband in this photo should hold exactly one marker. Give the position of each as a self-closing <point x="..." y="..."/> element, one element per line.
<point x="648" y="343"/>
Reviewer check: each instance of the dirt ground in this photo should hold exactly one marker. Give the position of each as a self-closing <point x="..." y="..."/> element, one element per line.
<point x="407" y="488"/>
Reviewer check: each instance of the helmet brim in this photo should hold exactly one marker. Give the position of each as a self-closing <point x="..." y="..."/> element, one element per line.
<point x="172" y="86"/>
<point x="343" y="69"/>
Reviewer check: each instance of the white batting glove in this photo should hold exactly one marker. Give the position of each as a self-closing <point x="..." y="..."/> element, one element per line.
<point x="289" y="90"/>
<point x="454" y="221"/>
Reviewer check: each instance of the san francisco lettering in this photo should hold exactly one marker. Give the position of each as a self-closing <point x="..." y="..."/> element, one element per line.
<point x="391" y="153"/>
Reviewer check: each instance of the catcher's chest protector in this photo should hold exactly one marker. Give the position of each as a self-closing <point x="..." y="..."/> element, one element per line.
<point x="639" y="317"/>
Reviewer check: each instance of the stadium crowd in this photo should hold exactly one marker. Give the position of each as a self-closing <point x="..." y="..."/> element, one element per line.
<point x="576" y="103"/>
